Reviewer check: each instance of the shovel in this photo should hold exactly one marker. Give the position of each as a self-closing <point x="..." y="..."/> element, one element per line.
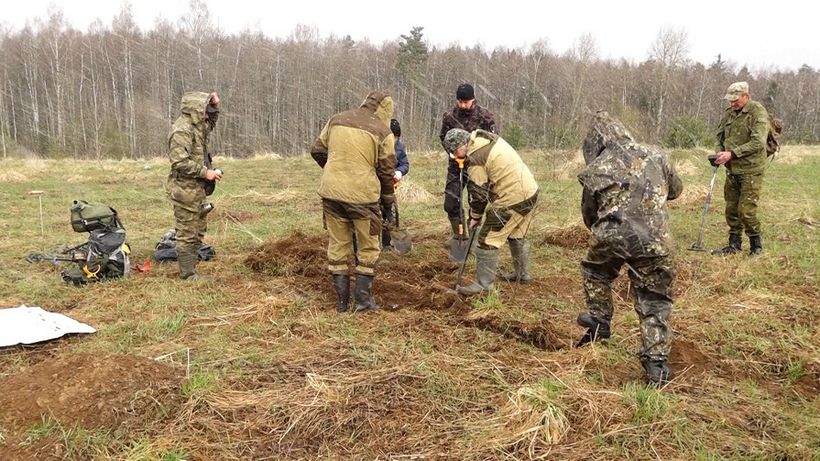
<point x="459" y="247"/>
<point x="399" y="238"/>
<point x="698" y="245"/>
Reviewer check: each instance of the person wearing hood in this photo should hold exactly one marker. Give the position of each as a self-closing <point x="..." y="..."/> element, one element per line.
<point x="192" y="176"/>
<point x="356" y="151"/>
<point x="625" y="189"/>
<point x="504" y="190"/>
<point x="469" y="116"/>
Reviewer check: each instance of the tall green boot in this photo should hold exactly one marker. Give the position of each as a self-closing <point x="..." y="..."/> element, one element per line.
<point x="486" y="264"/>
<point x="520" y="252"/>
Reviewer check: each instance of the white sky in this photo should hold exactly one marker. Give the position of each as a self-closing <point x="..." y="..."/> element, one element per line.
<point x="625" y="28"/>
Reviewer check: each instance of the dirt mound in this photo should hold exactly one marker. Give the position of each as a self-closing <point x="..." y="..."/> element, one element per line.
<point x="574" y="237"/>
<point x="90" y="390"/>
<point x="297" y="254"/>
<point x="401" y="281"/>
<point x="540" y="335"/>
<point x="687" y="358"/>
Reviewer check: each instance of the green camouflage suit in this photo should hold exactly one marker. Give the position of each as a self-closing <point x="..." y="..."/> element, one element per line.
<point x="625" y="189"/>
<point x="190" y="161"/>
<point x="744" y="134"/>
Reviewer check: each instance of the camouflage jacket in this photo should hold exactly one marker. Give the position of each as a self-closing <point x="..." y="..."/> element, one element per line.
<point x="188" y="151"/>
<point x="470" y="120"/>
<point x="356" y="151"/>
<point x="625" y="190"/>
<point x="744" y="133"/>
<point x="497" y="174"/>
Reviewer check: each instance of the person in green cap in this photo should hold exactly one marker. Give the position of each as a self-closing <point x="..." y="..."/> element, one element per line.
<point x="741" y="148"/>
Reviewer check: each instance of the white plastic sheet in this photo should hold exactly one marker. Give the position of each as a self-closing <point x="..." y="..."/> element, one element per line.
<point x="28" y="325"/>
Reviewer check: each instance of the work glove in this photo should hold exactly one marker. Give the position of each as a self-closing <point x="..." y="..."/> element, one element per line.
<point x="388" y="217"/>
<point x="397" y="176"/>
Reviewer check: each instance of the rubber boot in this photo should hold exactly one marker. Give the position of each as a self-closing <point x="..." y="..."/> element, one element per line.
<point x="756" y="245"/>
<point x="363" y="293"/>
<point x="733" y="247"/>
<point x="342" y="284"/>
<point x="187" y="261"/>
<point x="657" y="370"/>
<point x="597" y="329"/>
<point x="486" y="264"/>
<point x="520" y="252"/>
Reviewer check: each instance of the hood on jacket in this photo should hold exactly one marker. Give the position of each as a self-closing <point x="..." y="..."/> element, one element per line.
<point x="380" y="104"/>
<point x="194" y="104"/>
<point x="604" y="131"/>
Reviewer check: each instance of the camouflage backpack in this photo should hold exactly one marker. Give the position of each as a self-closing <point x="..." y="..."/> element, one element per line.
<point x="775" y="136"/>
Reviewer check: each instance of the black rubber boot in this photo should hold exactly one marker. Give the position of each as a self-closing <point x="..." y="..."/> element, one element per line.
<point x="342" y="284"/>
<point x="363" y="293"/>
<point x="187" y="261"/>
<point x="520" y="252"/>
<point x="756" y="245"/>
<point x="657" y="370"/>
<point x="486" y="264"/>
<point x="597" y="330"/>
<point x="733" y="247"/>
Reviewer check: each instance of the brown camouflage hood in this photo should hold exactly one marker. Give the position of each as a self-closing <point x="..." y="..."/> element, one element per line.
<point x="380" y="104"/>
<point x="194" y="104"/>
<point x="604" y="132"/>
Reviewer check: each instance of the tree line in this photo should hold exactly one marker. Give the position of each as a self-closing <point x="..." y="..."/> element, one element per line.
<point x="113" y="90"/>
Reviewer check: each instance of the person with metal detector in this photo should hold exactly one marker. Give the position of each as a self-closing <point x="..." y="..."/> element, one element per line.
<point x="469" y="116"/>
<point x="741" y="147"/>
<point x="625" y="189"/>
<point x="503" y="189"/>
<point x="402" y="244"/>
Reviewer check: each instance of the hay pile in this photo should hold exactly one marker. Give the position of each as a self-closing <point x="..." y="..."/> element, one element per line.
<point x="412" y="192"/>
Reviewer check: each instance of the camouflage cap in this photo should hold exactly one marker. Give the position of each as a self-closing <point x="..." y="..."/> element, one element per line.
<point x="736" y="90"/>
<point x="455" y="138"/>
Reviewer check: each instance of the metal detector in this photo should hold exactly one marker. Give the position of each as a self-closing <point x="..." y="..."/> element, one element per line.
<point x="698" y="245"/>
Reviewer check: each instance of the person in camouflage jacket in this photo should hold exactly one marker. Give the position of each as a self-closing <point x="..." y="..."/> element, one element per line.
<point x="469" y="116"/>
<point x="741" y="147"/>
<point x="356" y="151"/>
<point x="625" y="189"/>
<point x="191" y="174"/>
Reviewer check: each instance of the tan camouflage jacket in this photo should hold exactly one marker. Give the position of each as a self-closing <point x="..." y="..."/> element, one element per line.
<point x="496" y="174"/>
<point x="356" y="150"/>
<point x="744" y="133"/>
<point x="188" y="152"/>
<point x="625" y="190"/>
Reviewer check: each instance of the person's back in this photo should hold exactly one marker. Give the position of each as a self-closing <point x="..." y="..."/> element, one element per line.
<point x="630" y="183"/>
<point x="353" y="138"/>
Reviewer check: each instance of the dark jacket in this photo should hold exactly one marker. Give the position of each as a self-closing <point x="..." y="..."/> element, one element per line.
<point x="402" y="164"/>
<point x="470" y="120"/>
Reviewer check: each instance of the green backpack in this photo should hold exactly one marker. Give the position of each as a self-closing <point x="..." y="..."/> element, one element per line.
<point x="87" y="217"/>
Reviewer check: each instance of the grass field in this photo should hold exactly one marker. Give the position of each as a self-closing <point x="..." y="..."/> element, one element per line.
<point x="256" y="364"/>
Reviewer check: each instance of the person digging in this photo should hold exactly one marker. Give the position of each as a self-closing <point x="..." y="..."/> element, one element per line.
<point x="502" y="189"/>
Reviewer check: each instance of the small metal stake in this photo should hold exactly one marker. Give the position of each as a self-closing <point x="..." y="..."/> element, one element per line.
<point x="39" y="195"/>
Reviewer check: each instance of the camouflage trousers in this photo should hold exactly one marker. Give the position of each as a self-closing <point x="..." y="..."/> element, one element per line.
<point x="343" y="221"/>
<point x="502" y="223"/>
<point x="651" y="278"/>
<point x="742" y="192"/>
<point x="187" y="199"/>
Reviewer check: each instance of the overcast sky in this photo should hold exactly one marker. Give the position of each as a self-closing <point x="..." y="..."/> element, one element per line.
<point x="751" y="32"/>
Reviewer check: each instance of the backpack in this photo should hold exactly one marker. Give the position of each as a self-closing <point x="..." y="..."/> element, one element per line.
<point x="775" y="136"/>
<point x="105" y="254"/>
<point x="166" y="249"/>
<point x="87" y="217"/>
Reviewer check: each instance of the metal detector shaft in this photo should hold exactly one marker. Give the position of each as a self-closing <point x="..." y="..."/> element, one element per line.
<point x="699" y="243"/>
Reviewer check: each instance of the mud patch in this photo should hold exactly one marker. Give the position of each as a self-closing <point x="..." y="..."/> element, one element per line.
<point x="90" y="390"/>
<point x="540" y="335"/>
<point x="573" y="237"/>
<point x="686" y="357"/>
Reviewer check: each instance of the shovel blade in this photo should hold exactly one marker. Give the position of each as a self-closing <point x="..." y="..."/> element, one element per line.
<point x="458" y="250"/>
<point x="401" y="241"/>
